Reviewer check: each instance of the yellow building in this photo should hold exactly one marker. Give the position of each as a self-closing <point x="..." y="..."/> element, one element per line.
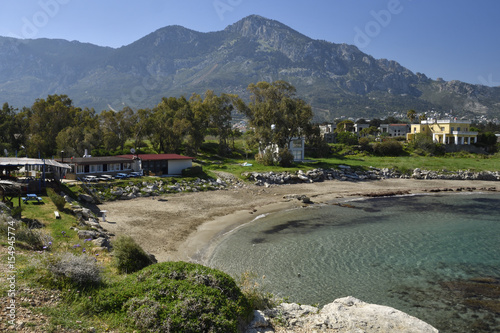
<point x="447" y="132"/>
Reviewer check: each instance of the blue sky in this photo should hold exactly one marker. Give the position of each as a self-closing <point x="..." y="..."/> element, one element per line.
<point x="451" y="39"/>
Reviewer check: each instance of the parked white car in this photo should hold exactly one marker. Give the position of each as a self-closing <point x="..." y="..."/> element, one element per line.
<point x="106" y="177"/>
<point x="90" y="179"/>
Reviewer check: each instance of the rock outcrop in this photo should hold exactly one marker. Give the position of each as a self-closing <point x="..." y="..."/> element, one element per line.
<point x="346" y="314"/>
<point x="345" y="173"/>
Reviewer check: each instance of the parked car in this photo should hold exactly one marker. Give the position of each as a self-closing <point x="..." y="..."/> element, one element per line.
<point x="106" y="177"/>
<point x="90" y="179"/>
<point x="136" y="174"/>
<point x="121" y="175"/>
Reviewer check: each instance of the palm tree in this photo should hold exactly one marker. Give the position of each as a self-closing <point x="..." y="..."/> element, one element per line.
<point x="412" y="115"/>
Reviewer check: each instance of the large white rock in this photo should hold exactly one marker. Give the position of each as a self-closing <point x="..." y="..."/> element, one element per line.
<point x="352" y="315"/>
<point x="344" y="315"/>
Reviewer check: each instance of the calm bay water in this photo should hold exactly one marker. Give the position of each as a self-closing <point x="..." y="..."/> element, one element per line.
<point x="419" y="254"/>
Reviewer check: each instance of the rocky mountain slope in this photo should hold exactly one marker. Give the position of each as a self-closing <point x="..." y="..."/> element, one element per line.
<point x="336" y="79"/>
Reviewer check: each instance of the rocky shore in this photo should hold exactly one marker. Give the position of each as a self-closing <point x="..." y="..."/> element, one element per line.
<point x="345" y="173"/>
<point x="346" y="314"/>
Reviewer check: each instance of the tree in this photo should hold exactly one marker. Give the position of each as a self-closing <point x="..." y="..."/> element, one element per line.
<point x="412" y="115"/>
<point x="169" y="124"/>
<point x="347" y="138"/>
<point x="218" y="111"/>
<point x="141" y="126"/>
<point x="368" y="131"/>
<point x="7" y="117"/>
<point x="315" y="142"/>
<point x="275" y="113"/>
<point x="85" y="133"/>
<point x="345" y="126"/>
<point x="48" y="118"/>
<point x="116" y="127"/>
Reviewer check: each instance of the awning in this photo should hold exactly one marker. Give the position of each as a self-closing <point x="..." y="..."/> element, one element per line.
<point x="22" y="161"/>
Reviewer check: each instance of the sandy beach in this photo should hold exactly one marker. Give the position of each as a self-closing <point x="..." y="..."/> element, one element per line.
<point x="184" y="226"/>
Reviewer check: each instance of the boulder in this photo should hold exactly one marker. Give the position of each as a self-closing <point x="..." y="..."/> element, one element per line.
<point x="86" y="198"/>
<point x="87" y="234"/>
<point x="118" y="192"/>
<point x="346" y="314"/>
<point x="87" y="213"/>
<point x="101" y="242"/>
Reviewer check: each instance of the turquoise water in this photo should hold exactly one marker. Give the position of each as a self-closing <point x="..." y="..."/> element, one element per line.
<point x="406" y="252"/>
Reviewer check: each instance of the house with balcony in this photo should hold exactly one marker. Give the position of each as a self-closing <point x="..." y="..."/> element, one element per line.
<point x="446" y="131"/>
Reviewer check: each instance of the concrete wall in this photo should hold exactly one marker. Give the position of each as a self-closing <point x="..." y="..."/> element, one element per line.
<point x="175" y="167"/>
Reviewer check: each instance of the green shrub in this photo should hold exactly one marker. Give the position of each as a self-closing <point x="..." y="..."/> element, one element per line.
<point x="58" y="200"/>
<point x="266" y="158"/>
<point x="176" y="297"/>
<point x="364" y="144"/>
<point x="423" y="145"/>
<point x="347" y="138"/>
<point x="129" y="256"/>
<point x="282" y="158"/>
<point x="388" y="148"/>
<point x="80" y="270"/>
<point x="194" y="171"/>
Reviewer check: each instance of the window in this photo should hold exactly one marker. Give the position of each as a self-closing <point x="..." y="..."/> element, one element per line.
<point x="80" y="169"/>
<point x="442" y="129"/>
<point x="297" y="143"/>
<point x="96" y="168"/>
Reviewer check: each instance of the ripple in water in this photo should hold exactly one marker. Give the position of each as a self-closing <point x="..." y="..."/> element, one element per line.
<point x="420" y="254"/>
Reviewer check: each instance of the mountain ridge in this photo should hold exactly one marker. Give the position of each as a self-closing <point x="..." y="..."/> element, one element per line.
<point x="336" y="79"/>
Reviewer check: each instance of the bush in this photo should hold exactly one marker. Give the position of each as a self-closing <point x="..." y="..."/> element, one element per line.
<point x="129" y="256"/>
<point x="28" y="236"/>
<point x="347" y="138"/>
<point x="266" y="158"/>
<point x="77" y="269"/>
<point x="176" y="297"/>
<point x="364" y="144"/>
<point x="259" y="299"/>
<point x="58" y="200"/>
<point x="388" y="148"/>
<point x="283" y="158"/>
<point x="194" y="171"/>
<point x="423" y="145"/>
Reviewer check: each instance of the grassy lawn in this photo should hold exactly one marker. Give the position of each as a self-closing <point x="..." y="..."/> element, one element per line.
<point x="345" y="155"/>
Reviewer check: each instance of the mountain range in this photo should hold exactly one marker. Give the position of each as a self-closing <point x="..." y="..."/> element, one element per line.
<point x="336" y="79"/>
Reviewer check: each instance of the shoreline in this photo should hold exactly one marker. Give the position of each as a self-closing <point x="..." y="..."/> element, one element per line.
<point x="187" y="226"/>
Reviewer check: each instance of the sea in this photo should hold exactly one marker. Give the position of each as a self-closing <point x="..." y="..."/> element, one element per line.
<point x="433" y="256"/>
